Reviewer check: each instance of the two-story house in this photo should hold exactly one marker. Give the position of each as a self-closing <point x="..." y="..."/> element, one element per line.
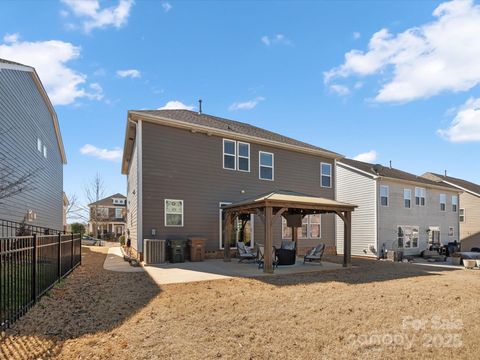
<point x="469" y="208"/>
<point x="396" y="210"/>
<point x="182" y="166"/>
<point x="31" y="150"/>
<point x="107" y="217"/>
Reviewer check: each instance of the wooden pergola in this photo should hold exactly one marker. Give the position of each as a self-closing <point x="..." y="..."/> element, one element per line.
<point x="272" y="206"/>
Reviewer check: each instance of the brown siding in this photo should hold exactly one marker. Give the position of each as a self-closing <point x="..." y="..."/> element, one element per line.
<point x="470" y="229"/>
<point x="179" y="164"/>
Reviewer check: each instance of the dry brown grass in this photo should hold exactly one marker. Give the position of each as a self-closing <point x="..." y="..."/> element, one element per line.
<point x="98" y="314"/>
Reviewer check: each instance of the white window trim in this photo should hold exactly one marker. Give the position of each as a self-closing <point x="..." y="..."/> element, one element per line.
<point x="444" y="203"/>
<point x="464" y="215"/>
<point x="455" y="203"/>
<point x="118" y="210"/>
<point x="453" y="232"/>
<point x="165" y="212"/>
<point x="420" y="197"/>
<point x="267" y="166"/>
<point x="322" y="175"/>
<point x="39" y="145"/>
<point x="388" y="195"/>
<point x="220" y="227"/>
<point x="234" y="155"/>
<point x="418" y="240"/>
<point x="309" y="231"/>
<point x="409" y="198"/>
<point x="242" y="157"/>
<point x="44" y="151"/>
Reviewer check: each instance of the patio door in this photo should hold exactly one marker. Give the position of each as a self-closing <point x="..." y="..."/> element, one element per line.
<point x="243" y="229"/>
<point x="434" y="235"/>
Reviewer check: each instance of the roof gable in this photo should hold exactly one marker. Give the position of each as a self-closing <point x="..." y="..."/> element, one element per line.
<point x="108" y="201"/>
<point x="459" y="183"/>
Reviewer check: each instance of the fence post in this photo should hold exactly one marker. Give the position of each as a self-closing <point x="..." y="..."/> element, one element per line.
<point x="59" y="262"/>
<point x="81" y="248"/>
<point x="34" y="269"/>
<point x="72" y="254"/>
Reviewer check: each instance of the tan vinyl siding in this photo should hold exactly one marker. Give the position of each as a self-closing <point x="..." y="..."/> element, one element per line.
<point x="358" y="189"/>
<point x="182" y="165"/>
<point x="470" y="229"/>
<point x="24" y="117"/>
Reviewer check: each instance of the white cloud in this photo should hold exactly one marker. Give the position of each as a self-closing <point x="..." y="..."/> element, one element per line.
<point x="422" y="61"/>
<point x="341" y="90"/>
<point x="103" y="154"/>
<point x="175" y="105"/>
<point x="246" y="105"/>
<point x="275" y="39"/>
<point x="465" y="126"/>
<point x="11" y="38"/>
<point x="369" y="157"/>
<point x="50" y="58"/>
<point x="132" y="73"/>
<point x="166" y="6"/>
<point x="94" y="17"/>
<point x="356" y="35"/>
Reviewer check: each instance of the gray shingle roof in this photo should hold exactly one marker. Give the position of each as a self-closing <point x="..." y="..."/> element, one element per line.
<point x="460" y="182"/>
<point x="235" y="127"/>
<point x="386" y="171"/>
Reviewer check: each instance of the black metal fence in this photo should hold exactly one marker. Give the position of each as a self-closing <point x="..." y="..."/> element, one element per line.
<point x="30" y="266"/>
<point x="11" y="228"/>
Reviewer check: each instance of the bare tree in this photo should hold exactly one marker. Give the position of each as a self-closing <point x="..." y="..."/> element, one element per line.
<point x="94" y="192"/>
<point x="76" y="211"/>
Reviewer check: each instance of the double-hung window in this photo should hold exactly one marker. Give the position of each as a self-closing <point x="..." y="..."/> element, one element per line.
<point x="266" y="164"/>
<point x="311" y="228"/>
<point x="408" y="237"/>
<point x="326" y="175"/>
<point x="454" y="203"/>
<point x="174" y="213"/>
<point x="461" y="215"/>
<point x="384" y="195"/>
<point x="443" y="202"/>
<point x="118" y="213"/>
<point x="243" y="156"/>
<point x="229" y="154"/>
<point x="407" y="198"/>
<point x="420" y="194"/>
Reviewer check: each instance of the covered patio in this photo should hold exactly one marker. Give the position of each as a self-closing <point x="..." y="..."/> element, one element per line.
<point x="293" y="207"/>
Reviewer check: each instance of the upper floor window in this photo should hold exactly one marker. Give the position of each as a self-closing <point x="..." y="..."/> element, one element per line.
<point x="39" y="145"/>
<point x="243" y="156"/>
<point x="454" y="203"/>
<point x="407" y="198"/>
<point x="420" y="194"/>
<point x="118" y="213"/>
<point x="461" y="215"/>
<point x="44" y="151"/>
<point x="326" y="175"/>
<point x="266" y="166"/>
<point x="174" y="213"/>
<point x="119" y="201"/>
<point x="229" y="154"/>
<point x="384" y="195"/>
<point x="311" y="228"/>
<point x="443" y="202"/>
<point x="101" y="212"/>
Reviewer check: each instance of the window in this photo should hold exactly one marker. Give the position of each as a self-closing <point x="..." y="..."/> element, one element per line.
<point x="119" y="201"/>
<point x="451" y="231"/>
<point x="443" y="202"/>
<point x="44" y="151"/>
<point x="102" y="212"/>
<point x="243" y="229"/>
<point x="454" y="203"/>
<point x="118" y="213"/>
<point x="461" y="215"/>
<point x="174" y="213"/>
<point x="39" y="145"/>
<point x="408" y="237"/>
<point x="326" y="175"/>
<point x="243" y="156"/>
<point x="311" y="228"/>
<point x="266" y="165"/>
<point x="229" y="155"/>
<point x="407" y="198"/>
<point x="420" y="194"/>
<point x="384" y="195"/>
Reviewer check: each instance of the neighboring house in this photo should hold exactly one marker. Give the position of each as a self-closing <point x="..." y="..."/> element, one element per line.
<point x="469" y="208"/>
<point x="31" y="146"/>
<point x="107" y="217"/>
<point x="396" y="210"/>
<point x="66" y="203"/>
<point x="182" y="166"/>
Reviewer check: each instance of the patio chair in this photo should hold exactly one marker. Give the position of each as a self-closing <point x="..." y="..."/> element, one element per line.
<point x="261" y="257"/>
<point x="244" y="253"/>
<point x="315" y="254"/>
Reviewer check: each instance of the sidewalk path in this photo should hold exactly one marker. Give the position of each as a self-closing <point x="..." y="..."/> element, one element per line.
<point x="114" y="262"/>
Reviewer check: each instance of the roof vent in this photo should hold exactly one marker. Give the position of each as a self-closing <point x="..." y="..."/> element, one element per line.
<point x="199" y="106"/>
<point x="377" y="168"/>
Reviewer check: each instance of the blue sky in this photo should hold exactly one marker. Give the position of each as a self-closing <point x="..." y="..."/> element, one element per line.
<point x="389" y="80"/>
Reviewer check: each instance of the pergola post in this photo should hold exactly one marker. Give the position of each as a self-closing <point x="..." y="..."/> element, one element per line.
<point x="228" y="236"/>
<point x="268" y="261"/>
<point x="347" y="238"/>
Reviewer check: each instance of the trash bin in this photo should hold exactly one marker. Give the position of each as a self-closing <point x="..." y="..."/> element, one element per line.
<point x="197" y="248"/>
<point x="177" y="251"/>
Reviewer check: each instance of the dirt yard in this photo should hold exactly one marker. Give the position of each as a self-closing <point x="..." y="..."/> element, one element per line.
<point x="376" y="310"/>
